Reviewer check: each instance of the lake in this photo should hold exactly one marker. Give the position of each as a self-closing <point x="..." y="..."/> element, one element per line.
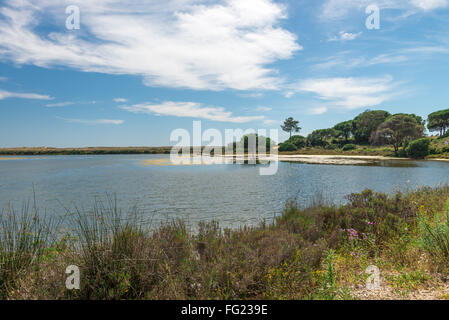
<point x="233" y="194"/>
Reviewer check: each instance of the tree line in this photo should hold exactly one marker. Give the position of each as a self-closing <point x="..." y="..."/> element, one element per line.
<point x="372" y="127"/>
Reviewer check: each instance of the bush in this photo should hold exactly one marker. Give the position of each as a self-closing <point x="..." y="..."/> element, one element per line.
<point x="348" y="147"/>
<point x="435" y="237"/>
<point x="299" y="141"/>
<point x="286" y="147"/>
<point x="418" y="149"/>
<point x="331" y="147"/>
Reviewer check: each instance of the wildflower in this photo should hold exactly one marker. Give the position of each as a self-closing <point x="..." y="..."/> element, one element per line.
<point x="353" y="234"/>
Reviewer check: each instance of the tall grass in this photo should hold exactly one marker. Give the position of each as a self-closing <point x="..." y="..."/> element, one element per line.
<point x="435" y="236"/>
<point x="113" y="250"/>
<point x="23" y="237"/>
<point x="298" y="256"/>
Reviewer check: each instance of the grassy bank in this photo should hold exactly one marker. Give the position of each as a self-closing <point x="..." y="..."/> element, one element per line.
<point x="83" y="151"/>
<point x="320" y="252"/>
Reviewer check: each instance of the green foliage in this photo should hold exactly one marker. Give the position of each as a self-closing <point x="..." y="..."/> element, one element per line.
<point x="397" y="130"/>
<point x="367" y="123"/>
<point x="348" y="147"/>
<point x="438" y="121"/>
<point x="418" y="149"/>
<point x="418" y="119"/>
<point x="320" y="138"/>
<point x="250" y="142"/>
<point x="435" y="237"/>
<point x="23" y="237"/>
<point x="344" y="130"/>
<point x="299" y="141"/>
<point x="331" y="146"/>
<point x="328" y="288"/>
<point x="446" y="135"/>
<point x="290" y="125"/>
<point x="287" y="147"/>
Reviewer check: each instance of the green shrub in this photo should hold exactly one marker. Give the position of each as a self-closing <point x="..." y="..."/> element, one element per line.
<point x="331" y="147"/>
<point x="348" y="147"/>
<point x="299" y="141"/>
<point x="433" y="150"/>
<point x="286" y="147"/>
<point x="435" y="237"/>
<point x="328" y="287"/>
<point x="402" y="153"/>
<point x="418" y="149"/>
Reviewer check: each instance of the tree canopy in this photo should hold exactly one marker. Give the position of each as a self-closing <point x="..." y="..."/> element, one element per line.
<point x="344" y="130"/>
<point x="290" y="125"/>
<point x="438" y="121"/>
<point x="250" y="142"/>
<point x="366" y="123"/>
<point x="318" y="137"/>
<point x="397" y="129"/>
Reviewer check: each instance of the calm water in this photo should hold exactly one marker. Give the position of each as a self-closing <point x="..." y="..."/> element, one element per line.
<point x="232" y="194"/>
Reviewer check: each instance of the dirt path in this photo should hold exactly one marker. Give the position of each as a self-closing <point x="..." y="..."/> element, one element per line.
<point x="432" y="290"/>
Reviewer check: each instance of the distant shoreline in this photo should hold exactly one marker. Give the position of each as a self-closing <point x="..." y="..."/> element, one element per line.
<point x="82" y="151"/>
<point x="283" y="157"/>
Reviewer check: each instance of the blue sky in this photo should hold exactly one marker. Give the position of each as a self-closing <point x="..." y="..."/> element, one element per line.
<point x="136" y="70"/>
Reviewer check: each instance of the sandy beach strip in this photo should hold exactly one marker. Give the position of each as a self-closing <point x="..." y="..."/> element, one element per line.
<point x="322" y="159"/>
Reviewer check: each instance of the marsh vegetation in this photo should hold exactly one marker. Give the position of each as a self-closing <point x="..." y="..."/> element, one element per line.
<point x="318" y="252"/>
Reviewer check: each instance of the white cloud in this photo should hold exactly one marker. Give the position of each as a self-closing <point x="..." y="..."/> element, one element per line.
<point x="251" y="95"/>
<point x="263" y="109"/>
<point x="429" y="4"/>
<point x="3" y="79"/>
<point x="289" y="94"/>
<point x="345" y="36"/>
<point x="59" y="104"/>
<point x="427" y="50"/>
<point x="198" y="44"/>
<point x="120" y="100"/>
<point x="7" y="94"/>
<point x="191" y="110"/>
<point x="317" y="111"/>
<point x="270" y="122"/>
<point x="94" y="122"/>
<point x="349" y="60"/>
<point x="349" y="93"/>
<point x="336" y="9"/>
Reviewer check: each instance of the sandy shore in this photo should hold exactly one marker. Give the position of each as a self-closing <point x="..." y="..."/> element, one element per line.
<point x="325" y="159"/>
<point x="10" y="158"/>
<point x="438" y="159"/>
<point x="311" y="159"/>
